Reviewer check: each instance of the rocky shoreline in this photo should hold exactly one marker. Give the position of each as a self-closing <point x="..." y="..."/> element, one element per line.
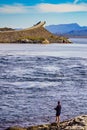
<point x="77" y="123"/>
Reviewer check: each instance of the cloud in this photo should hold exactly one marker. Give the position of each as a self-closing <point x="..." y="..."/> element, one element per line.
<point x="43" y="8"/>
<point x="62" y="7"/>
<point x="12" y="9"/>
<point x="76" y="1"/>
<point x="79" y="1"/>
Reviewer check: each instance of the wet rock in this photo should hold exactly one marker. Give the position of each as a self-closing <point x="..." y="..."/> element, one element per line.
<point x="16" y="128"/>
<point x="32" y="128"/>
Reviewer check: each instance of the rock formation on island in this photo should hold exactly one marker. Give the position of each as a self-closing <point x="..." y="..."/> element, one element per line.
<point x="77" y="123"/>
<point x="34" y="34"/>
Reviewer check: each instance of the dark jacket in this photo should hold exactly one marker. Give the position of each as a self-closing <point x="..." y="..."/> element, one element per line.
<point x="58" y="110"/>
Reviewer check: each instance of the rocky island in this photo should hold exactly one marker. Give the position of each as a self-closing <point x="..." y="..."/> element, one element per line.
<point x="34" y="34"/>
<point x="77" y="123"/>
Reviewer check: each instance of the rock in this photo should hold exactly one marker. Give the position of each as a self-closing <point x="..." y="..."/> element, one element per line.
<point x="45" y="41"/>
<point x="77" y="123"/>
<point x="53" y="124"/>
<point x="39" y="127"/>
<point x="44" y="127"/>
<point x="16" y="128"/>
<point x="74" y="128"/>
<point x="32" y="128"/>
<point x="25" y="41"/>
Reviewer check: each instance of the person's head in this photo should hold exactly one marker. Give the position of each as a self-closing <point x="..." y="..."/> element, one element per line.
<point x="58" y="102"/>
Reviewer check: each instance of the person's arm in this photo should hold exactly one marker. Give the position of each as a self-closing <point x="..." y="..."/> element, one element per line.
<point x="55" y="108"/>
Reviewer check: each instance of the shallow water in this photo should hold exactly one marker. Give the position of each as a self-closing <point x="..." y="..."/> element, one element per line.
<point x="34" y="77"/>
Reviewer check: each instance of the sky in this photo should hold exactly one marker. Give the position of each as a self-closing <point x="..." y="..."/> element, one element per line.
<point x="26" y="13"/>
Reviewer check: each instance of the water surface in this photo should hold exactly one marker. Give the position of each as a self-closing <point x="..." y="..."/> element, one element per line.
<point x="34" y="77"/>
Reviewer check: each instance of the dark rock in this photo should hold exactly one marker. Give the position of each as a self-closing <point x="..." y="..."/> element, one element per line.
<point x="16" y="128"/>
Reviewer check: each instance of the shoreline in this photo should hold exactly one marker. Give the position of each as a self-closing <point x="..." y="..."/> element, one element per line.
<point x="77" y="123"/>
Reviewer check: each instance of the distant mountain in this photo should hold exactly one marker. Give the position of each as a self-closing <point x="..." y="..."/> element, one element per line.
<point x="68" y="29"/>
<point x="80" y="33"/>
<point x="6" y="29"/>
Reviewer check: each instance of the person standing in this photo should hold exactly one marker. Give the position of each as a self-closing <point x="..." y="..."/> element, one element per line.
<point x="58" y="112"/>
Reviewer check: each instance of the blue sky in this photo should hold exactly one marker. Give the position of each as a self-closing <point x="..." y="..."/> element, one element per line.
<point x="25" y="13"/>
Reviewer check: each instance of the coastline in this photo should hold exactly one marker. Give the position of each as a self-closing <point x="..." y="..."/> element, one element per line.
<point x="77" y="123"/>
<point x="35" y="34"/>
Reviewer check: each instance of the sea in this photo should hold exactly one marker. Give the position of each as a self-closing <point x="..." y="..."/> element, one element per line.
<point x="34" y="77"/>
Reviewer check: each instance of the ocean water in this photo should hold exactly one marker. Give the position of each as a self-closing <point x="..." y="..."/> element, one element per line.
<point x="34" y="77"/>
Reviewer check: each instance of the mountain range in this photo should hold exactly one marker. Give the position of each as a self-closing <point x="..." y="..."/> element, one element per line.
<point x="71" y="30"/>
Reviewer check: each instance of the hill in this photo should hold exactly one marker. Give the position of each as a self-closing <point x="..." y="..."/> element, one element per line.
<point x="35" y="34"/>
<point x="72" y="29"/>
<point x="6" y="29"/>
